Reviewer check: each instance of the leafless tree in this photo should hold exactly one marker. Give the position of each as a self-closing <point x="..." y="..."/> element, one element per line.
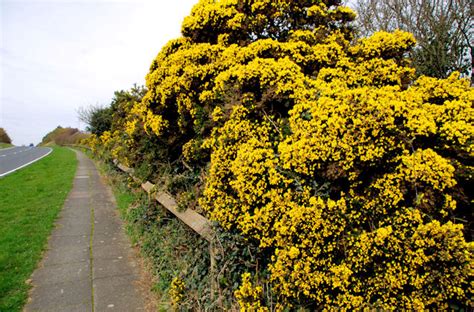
<point x="444" y="30"/>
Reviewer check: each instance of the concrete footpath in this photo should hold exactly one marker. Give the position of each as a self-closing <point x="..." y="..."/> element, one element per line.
<point x="89" y="263"/>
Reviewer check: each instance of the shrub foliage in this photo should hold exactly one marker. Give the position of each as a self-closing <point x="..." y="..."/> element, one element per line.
<point x="64" y="136"/>
<point x="4" y="138"/>
<point x="322" y="149"/>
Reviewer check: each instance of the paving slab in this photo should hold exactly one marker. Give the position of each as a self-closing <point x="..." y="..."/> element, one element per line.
<point x="108" y="239"/>
<point x="89" y="263"/>
<point x="117" y="298"/>
<point x="61" y="295"/>
<point x="59" y="241"/>
<point x="107" y="226"/>
<point x="66" y="255"/>
<point x="69" y="272"/>
<point x="70" y="228"/>
<point x="113" y="267"/>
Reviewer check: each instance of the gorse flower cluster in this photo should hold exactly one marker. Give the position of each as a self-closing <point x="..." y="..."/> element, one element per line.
<point x="176" y="292"/>
<point x="328" y="152"/>
<point x="249" y="296"/>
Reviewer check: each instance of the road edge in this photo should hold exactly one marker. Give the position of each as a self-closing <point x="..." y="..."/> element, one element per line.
<point x="27" y="164"/>
<point x="6" y="148"/>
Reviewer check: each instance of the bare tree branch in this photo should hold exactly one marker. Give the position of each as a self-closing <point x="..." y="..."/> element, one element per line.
<point x="443" y="30"/>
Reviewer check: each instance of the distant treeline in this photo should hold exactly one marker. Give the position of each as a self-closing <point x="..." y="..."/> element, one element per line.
<point x="64" y="136"/>
<point x="4" y="138"/>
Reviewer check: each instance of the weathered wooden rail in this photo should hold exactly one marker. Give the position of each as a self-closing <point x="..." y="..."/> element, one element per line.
<point x="191" y="218"/>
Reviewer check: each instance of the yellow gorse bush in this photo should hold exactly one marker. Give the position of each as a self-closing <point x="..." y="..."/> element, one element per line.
<point x="328" y="152"/>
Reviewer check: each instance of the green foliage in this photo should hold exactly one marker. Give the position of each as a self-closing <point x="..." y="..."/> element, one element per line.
<point x="64" y="136"/>
<point x="126" y="139"/>
<point x="30" y="200"/>
<point x="100" y="119"/>
<point x="123" y="99"/>
<point x="236" y="255"/>
<point x="97" y="118"/>
<point x="4" y="138"/>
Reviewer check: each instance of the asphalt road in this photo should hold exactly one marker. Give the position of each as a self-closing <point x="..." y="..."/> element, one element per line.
<point x="12" y="159"/>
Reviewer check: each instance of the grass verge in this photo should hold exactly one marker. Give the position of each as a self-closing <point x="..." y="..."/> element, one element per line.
<point x="5" y="145"/>
<point x="30" y="200"/>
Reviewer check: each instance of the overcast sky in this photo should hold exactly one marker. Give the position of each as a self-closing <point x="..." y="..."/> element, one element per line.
<point x="59" y="55"/>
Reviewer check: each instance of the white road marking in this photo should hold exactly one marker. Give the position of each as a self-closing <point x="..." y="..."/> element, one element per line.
<point x="4" y="174"/>
<point x="4" y="149"/>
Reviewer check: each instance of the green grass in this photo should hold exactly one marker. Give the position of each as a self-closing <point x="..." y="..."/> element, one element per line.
<point x="30" y="200"/>
<point x="5" y="145"/>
